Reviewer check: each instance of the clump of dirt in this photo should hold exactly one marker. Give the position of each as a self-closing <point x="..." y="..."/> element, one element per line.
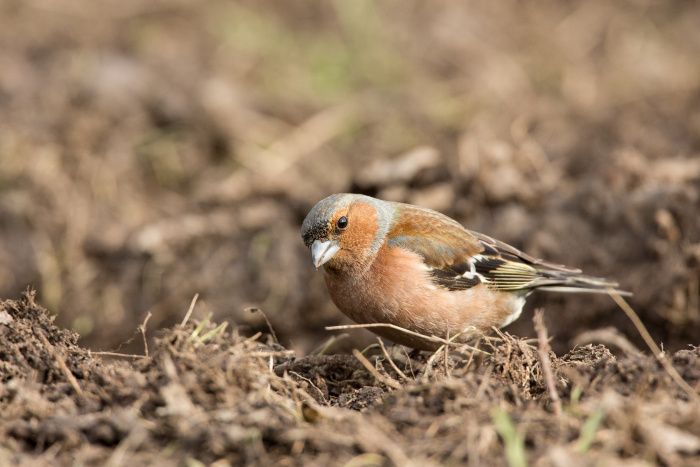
<point x="212" y="397"/>
<point x="29" y="339"/>
<point x="209" y="395"/>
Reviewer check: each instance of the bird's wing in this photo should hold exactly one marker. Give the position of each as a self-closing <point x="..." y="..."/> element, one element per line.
<point x="459" y="259"/>
<point x="503" y="267"/>
<point x="439" y="240"/>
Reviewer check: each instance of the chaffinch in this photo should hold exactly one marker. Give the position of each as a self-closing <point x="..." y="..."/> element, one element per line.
<point x="399" y="264"/>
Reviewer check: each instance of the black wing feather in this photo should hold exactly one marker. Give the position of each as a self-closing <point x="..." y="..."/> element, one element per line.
<point x="505" y="268"/>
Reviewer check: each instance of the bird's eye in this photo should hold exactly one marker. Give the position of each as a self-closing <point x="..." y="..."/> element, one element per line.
<point x="342" y="223"/>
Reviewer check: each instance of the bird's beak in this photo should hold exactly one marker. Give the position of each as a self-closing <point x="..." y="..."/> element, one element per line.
<point x="321" y="252"/>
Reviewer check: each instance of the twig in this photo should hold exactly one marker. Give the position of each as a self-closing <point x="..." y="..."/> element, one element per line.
<point x="375" y="373"/>
<point x="446" y="351"/>
<point x="69" y="376"/>
<point x="254" y="337"/>
<point x="254" y="309"/>
<point x="408" y="360"/>
<point x="399" y="328"/>
<point x="545" y="362"/>
<point x="429" y="363"/>
<point x="391" y="362"/>
<point x="471" y="355"/>
<point x="652" y="345"/>
<point x="386" y="325"/>
<point x="189" y="312"/>
<point x="117" y="354"/>
<point x="142" y="328"/>
<point x="278" y="353"/>
<point x="311" y="383"/>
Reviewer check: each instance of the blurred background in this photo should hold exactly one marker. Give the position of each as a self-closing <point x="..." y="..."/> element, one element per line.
<point x="153" y="150"/>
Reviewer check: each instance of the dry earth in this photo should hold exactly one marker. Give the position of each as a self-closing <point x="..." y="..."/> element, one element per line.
<point x="207" y="396"/>
<point x="150" y="151"/>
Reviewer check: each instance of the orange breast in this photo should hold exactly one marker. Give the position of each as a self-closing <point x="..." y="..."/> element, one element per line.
<point x="396" y="289"/>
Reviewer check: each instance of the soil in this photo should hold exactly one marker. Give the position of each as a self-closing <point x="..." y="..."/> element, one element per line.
<point x="211" y="396"/>
<point x="153" y="151"/>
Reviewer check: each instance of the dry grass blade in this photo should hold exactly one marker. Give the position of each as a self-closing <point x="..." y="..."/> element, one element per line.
<point x="652" y="345"/>
<point x="375" y="373"/>
<point x="399" y="328"/>
<point x="391" y="361"/>
<point x="254" y="309"/>
<point x="190" y="310"/>
<point x="142" y="328"/>
<point x="64" y="368"/>
<point x="387" y="325"/>
<point x="435" y="354"/>
<point x="117" y="354"/>
<point x="276" y="353"/>
<point x="546" y="364"/>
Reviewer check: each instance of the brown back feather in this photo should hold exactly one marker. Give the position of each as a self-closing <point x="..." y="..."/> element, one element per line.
<point x="441" y="241"/>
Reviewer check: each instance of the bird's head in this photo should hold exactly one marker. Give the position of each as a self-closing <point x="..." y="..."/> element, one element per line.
<point x="345" y="229"/>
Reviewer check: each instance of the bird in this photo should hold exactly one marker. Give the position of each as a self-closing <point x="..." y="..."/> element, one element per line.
<point x="418" y="277"/>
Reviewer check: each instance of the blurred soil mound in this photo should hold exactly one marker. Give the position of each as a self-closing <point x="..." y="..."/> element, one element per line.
<point x="152" y="151"/>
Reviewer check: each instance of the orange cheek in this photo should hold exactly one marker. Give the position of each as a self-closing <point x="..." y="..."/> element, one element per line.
<point x="363" y="225"/>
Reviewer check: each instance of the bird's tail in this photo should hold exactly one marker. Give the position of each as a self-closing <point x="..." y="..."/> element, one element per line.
<point x="558" y="281"/>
